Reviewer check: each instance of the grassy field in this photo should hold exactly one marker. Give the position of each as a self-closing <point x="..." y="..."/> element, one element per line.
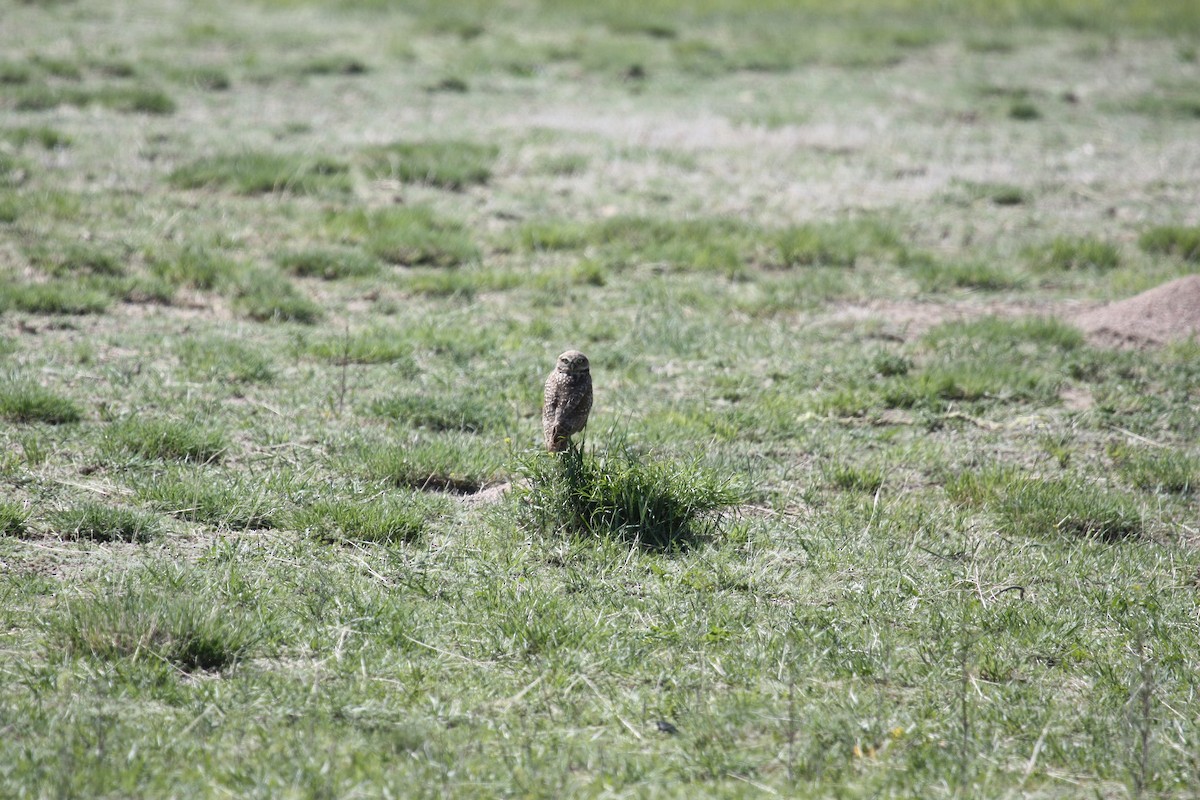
<point x="859" y="511"/>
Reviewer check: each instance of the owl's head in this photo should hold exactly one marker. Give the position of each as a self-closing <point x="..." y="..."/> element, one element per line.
<point x="572" y="361"/>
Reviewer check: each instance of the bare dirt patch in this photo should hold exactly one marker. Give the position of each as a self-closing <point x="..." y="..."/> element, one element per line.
<point x="1165" y="313"/>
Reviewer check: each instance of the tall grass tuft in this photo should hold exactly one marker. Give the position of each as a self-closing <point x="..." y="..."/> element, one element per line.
<point x="445" y="164"/>
<point x="13" y="519"/>
<point x="1038" y="506"/>
<point x="23" y="402"/>
<point x="656" y="505"/>
<point x="166" y="440"/>
<point x="385" y="520"/>
<point x="1173" y="240"/>
<point x="101" y="523"/>
<point x="182" y="627"/>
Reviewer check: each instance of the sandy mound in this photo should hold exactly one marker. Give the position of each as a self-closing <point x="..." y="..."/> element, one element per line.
<point x="1161" y="314"/>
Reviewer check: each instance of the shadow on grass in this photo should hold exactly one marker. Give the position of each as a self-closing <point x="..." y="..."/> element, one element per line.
<point x="654" y="505"/>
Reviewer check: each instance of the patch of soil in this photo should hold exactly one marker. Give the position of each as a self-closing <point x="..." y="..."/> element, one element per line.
<point x="1159" y="315"/>
<point x="488" y="496"/>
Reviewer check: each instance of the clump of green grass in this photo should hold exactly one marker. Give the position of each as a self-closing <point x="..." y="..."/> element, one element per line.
<point x="552" y="235"/>
<point x="46" y="137"/>
<point x="71" y="297"/>
<point x="724" y="245"/>
<point x="334" y="65"/>
<point x="443" y="411"/>
<point x="210" y="79"/>
<point x="437" y="463"/>
<point x="933" y="274"/>
<point x="653" y="504"/>
<point x="1040" y="506"/>
<point x="385" y="520"/>
<point x="1180" y="241"/>
<point x="267" y="296"/>
<point x="1000" y="194"/>
<point x="965" y="380"/>
<point x="1064" y="254"/>
<point x="376" y="345"/>
<point x="13" y="519"/>
<point x="564" y="164"/>
<point x="253" y="173"/>
<point x="328" y="263"/>
<point x="854" y="478"/>
<point x="1169" y="471"/>
<point x="1003" y="333"/>
<point x="135" y="100"/>
<point x="100" y="523"/>
<point x="15" y="74"/>
<point x="13" y="170"/>
<point x="124" y="99"/>
<point x="836" y="244"/>
<point x="1024" y="110"/>
<point x="890" y="364"/>
<point x="991" y="359"/>
<point x="79" y="259"/>
<point x="202" y="497"/>
<point x="196" y="267"/>
<point x="25" y="402"/>
<point x="408" y="236"/>
<point x="165" y="440"/>
<point x="10" y="208"/>
<point x="445" y="164"/>
<point x="977" y="487"/>
<point x="451" y="84"/>
<point x="226" y="360"/>
<point x="183" y="625"/>
<point x="1173" y="101"/>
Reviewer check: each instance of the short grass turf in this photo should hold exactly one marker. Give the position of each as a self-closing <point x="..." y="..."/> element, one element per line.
<point x="859" y="512"/>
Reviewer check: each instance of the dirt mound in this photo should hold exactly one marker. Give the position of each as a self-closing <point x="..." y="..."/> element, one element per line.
<point x="1162" y="314"/>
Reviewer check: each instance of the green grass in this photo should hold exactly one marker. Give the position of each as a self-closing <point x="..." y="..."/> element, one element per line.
<point x="24" y="402"/>
<point x="859" y="512"/>
<point x="1064" y="254"/>
<point x="205" y="498"/>
<point x="164" y="439"/>
<point x="13" y="519"/>
<point x="267" y="296"/>
<point x="1174" y="240"/>
<point x="44" y="136"/>
<point x="384" y="520"/>
<point x="253" y="173"/>
<point x="446" y="410"/>
<point x="172" y="621"/>
<point x="64" y="296"/>
<point x="377" y="345"/>
<point x="934" y="275"/>
<point x="652" y="504"/>
<point x="125" y="99"/>
<point x="101" y="523"/>
<point x="196" y="267"/>
<point x="434" y="463"/>
<point x="722" y="245"/>
<point x="1039" y="507"/>
<point x="445" y="164"/>
<point x="225" y="360"/>
<point x="327" y="263"/>
<point x="413" y="236"/>
<point x="1158" y="471"/>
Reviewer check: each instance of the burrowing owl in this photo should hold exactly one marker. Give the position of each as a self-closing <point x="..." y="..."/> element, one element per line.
<point x="568" y="400"/>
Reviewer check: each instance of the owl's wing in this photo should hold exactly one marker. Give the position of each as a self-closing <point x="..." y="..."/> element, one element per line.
<point x="551" y="400"/>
